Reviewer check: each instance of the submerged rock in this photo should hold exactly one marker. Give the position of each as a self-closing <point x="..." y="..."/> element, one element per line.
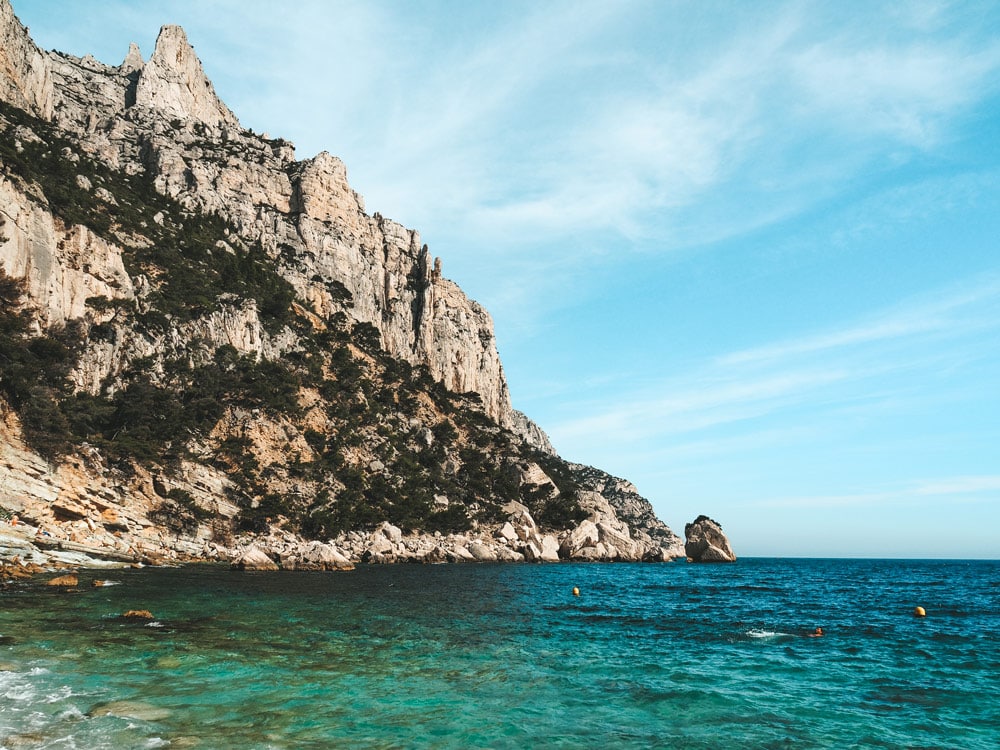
<point x="137" y="614"/>
<point x="70" y="580"/>
<point x="706" y="542"/>
<point x="130" y="710"/>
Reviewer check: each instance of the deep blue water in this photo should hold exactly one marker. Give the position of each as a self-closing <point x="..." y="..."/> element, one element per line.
<point x="504" y="656"/>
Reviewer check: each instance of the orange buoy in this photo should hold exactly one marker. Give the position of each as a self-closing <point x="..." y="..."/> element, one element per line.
<point x="919" y="612"/>
<point x="576" y="591"/>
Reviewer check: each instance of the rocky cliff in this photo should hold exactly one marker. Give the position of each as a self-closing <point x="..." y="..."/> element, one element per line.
<point x="205" y="340"/>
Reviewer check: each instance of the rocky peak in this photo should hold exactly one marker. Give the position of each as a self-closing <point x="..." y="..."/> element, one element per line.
<point x="323" y="193"/>
<point x="133" y="59"/>
<point x="174" y="83"/>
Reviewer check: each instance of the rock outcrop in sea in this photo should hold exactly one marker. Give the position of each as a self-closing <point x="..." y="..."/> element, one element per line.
<point x="706" y="543"/>
<point x="210" y="350"/>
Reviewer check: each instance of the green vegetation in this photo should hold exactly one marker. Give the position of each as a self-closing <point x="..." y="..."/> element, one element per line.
<point x="33" y="370"/>
<point x="193" y="258"/>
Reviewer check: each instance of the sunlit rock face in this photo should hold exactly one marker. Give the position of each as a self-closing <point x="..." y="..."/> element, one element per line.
<point x="174" y="84"/>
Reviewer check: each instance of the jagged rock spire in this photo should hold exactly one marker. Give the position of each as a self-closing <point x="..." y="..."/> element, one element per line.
<point x="133" y="60"/>
<point x="174" y="82"/>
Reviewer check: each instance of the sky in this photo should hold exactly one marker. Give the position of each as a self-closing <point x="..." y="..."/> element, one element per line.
<point x="746" y="255"/>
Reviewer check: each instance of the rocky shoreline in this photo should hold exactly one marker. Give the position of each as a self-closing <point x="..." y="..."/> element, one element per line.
<point x="27" y="550"/>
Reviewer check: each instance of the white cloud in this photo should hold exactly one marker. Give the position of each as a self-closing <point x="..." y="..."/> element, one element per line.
<point x="862" y="368"/>
<point x="952" y="312"/>
<point x="960" y="485"/>
<point x="905" y="91"/>
<point x="960" y="489"/>
<point x="552" y="119"/>
<point x="775" y="118"/>
<point x="693" y="407"/>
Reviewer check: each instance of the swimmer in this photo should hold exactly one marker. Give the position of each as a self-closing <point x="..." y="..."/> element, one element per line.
<point x="817" y="633"/>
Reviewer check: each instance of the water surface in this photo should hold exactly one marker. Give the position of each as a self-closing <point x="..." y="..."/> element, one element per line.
<point x="504" y="656"/>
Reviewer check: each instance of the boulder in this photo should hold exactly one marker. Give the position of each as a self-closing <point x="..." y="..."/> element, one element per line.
<point x="657" y="554"/>
<point x="461" y="553"/>
<point x="15" y="568"/>
<point x="523" y="523"/>
<point x="436" y="555"/>
<point x="482" y="552"/>
<point x="507" y="532"/>
<point x="320" y="556"/>
<point x="549" y="548"/>
<point x="254" y="559"/>
<point x="583" y="536"/>
<point x="705" y="542"/>
<point x="380" y="544"/>
<point x="130" y="710"/>
<point x="620" y="539"/>
<point x="505" y="554"/>
<point x="596" y="552"/>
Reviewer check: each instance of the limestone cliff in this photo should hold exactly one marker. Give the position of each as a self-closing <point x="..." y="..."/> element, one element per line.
<point x="164" y="120"/>
<point x="204" y="338"/>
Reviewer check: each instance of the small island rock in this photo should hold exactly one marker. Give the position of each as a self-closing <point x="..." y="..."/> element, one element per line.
<point x="705" y="542"/>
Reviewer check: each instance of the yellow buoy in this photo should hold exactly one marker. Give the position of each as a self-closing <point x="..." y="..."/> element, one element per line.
<point x="919" y="612"/>
<point x="576" y="591"/>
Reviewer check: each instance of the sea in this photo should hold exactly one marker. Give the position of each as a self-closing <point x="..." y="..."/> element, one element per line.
<point x="669" y="655"/>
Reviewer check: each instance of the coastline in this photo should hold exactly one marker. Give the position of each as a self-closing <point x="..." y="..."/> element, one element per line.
<point x="27" y="549"/>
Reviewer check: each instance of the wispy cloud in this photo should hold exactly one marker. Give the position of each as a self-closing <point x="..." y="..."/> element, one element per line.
<point x="952" y="312"/>
<point x="903" y="91"/>
<point x="650" y="121"/>
<point x="859" y="367"/>
<point x="662" y="140"/>
<point x="960" y="486"/>
<point x="960" y="489"/>
<point x="716" y="401"/>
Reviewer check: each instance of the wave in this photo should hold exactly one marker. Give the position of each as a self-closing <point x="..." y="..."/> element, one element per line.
<point x="759" y="633"/>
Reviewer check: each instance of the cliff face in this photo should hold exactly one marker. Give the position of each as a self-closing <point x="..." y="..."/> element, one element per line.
<point x="26" y="79"/>
<point x="163" y="118"/>
<point x="157" y="245"/>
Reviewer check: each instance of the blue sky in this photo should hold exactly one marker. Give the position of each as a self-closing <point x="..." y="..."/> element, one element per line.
<point x="745" y="254"/>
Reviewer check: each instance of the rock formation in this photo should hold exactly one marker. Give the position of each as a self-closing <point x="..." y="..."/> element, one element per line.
<point x="26" y="79"/>
<point x="706" y="543"/>
<point x="211" y="350"/>
<point x="174" y="84"/>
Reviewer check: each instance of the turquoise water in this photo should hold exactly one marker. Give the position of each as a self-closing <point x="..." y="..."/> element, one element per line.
<point x="504" y="656"/>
